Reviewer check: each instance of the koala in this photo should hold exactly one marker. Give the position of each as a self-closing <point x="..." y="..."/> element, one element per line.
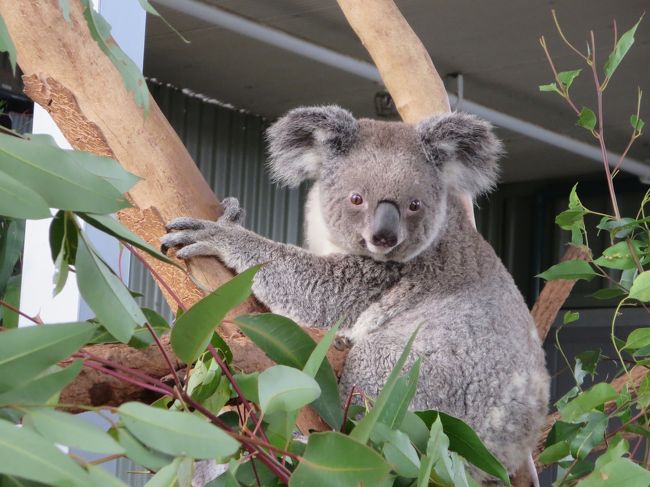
<point x="390" y="250"/>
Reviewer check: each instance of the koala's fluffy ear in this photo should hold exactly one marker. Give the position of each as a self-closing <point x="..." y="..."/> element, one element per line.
<point x="299" y="141"/>
<point x="465" y="148"/>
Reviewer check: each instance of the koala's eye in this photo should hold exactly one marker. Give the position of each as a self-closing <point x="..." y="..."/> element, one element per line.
<point x="356" y="199"/>
<point x="415" y="205"/>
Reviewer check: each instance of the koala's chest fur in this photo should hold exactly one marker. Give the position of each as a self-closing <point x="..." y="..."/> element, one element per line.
<point x="317" y="236"/>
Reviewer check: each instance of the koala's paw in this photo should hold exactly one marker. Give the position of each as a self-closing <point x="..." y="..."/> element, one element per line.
<point x="232" y="212"/>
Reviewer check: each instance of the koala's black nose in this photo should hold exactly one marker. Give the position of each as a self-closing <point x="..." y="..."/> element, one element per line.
<point x="384" y="239"/>
<point x="385" y="224"/>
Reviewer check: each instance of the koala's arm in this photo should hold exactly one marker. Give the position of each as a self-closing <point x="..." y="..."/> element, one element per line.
<point x="313" y="290"/>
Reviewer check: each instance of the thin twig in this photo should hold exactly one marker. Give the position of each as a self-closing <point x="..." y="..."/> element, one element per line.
<point x="131" y="380"/>
<point x="165" y="355"/>
<point x="157" y="276"/>
<point x="559" y="29"/>
<point x="346" y="407"/>
<point x="33" y="319"/>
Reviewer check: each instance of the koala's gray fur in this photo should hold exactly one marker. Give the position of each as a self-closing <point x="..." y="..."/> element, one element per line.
<point x="481" y="356"/>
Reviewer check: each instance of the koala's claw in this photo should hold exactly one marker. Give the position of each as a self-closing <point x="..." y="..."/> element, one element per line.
<point x="177" y="239"/>
<point x="185" y="223"/>
<point x="232" y="212"/>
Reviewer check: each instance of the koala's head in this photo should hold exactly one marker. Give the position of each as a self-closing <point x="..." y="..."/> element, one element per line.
<point x="382" y="186"/>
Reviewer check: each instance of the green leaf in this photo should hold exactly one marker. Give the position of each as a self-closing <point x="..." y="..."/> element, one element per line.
<point x="176" y="433"/>
<point x="100" y="477"/>
<point x="551" y="87"/>
<point x="620" y="472"/>
<point x="166" y="476"/>
<point x="108" y="224"/>
<point x="35" y="458"/>
<point x="64" y="240"/>
<point x="590" y="435"/>
<point x="248" y="385"/>
<point x="64" y="5"/>
<point x="569" y="219"/>
<point x="587" y="119"/>
<point x="641" y="287"/>
<point x="286" y="343"/>
<point x="62" y="178"/>
<point x="7" y="45"/>
<point x="608" y="293"/>
<point x="464" y="441"/>
<point x="554" y="453"/>
<point x="26" y="352"/>
<point x="282" y="388"/>
<point x="643" y="394"/>
<point x="134" y="81"/>
<point x="192" y="331"/>
<point x="416" y="429"/>
<point x="618" y="256"/>
<point x="335" y="460"/>
<point x="40" y="390"/>
<point x="397" y="405"/>
<point x="146" y="5"/>
<point x="9" y="318"/>
<point x="139" y="453"/>
<point x="317" y="357"/>
<point x="570" y="317"/>
<point x="619" y="228"/>
<point x="617" y="447"/>
<point x="569" y="269"/>
<point x="623" y="45"/>
<point x="364" y="428"/>
<point x="588" y="401"/>
<point x="398" y="450"/>
<point x="637" y="123"/>
<point x="72" y="431"/>
<point x="567" y="77"/>
<point x="639" y="338"/>
<point x="436" y="464"/>
<point x="19" y="201"/>
<point x="106" y="295"/>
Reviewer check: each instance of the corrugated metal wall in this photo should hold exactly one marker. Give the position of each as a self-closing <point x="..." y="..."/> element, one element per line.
<point x="228" y="146"/>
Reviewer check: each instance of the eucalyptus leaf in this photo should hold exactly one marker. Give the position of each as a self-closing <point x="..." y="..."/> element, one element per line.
<point x="26" y="352"/>
<point x="134" y="81"/>
<point x="335" y="460"/>
<point x="464" y="441"/>
<point x="397" y="405"/>
<point x="61" y="177"/>
<point x="19" y="201"/>
<point x="139" y="453"/>
<point x="176" y="433"/>
<point x="286" y="343"/>
<point x="638" y="338"/>
<point x="146" y="5"/>
<point x="7" y="45"/>
<point x="282" y="388"/>
<point x="71" y="430"/>
<point x="110" y="225"/>
<point x="34" y="458"/>
<point x="100" y="477"/>
<point x="192" y="332"/>
<point x="166" y="476"/>
<point x="106" y="295"/>
<point x="554" y="453"/>
<point x="364" y="428"/>
<point x="41" y="389"/>
<point x="64" y="5"/>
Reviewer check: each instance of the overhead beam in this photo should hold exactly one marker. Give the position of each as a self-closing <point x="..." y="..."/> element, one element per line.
<point x="269" y="35"/>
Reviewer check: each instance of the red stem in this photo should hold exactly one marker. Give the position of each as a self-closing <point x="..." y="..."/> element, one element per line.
<point x="158" y="277"/>
<point x="346" y="407"/>
<point x="130" y="380"/>
<point x="165" y="355"/>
